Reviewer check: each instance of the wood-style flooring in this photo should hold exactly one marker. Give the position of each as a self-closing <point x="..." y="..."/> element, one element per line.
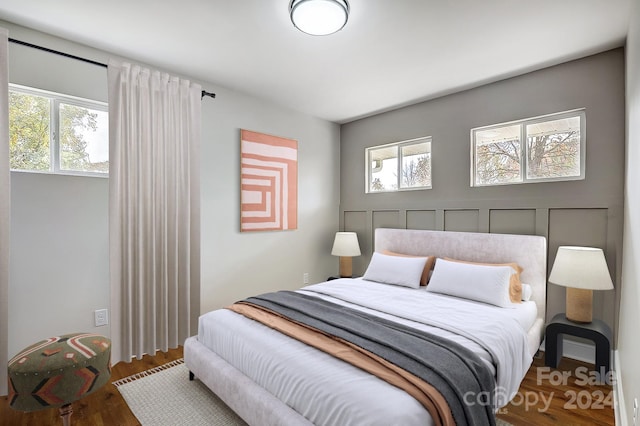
<point x="572" y="404"/>
<point x="104" y="407"/>
<point x="567" y="396"/>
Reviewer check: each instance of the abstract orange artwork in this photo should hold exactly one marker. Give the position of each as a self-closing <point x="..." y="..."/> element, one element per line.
<point x="269" y="182"/>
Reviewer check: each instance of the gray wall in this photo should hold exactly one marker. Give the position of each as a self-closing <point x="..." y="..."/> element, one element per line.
<point x="586" y="212"/>
<point x="628" y="342"/>
<point x="59" y="246"/>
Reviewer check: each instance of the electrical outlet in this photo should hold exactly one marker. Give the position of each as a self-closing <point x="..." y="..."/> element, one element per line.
<point x="101" y="317"/>
<point x="635" y="411"/>
<point x="305" y="278"/>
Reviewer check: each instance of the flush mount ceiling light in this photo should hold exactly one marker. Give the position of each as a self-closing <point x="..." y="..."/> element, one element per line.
<point x="319" y="17"/>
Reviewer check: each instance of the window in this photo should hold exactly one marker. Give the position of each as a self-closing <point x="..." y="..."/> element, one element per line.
<point x="548" y="148"/>
<point x="54" y="133"/>
<point x="399" y="166"/>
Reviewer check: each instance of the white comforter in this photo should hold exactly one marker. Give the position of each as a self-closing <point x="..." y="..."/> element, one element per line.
<point x="329" y="391"/>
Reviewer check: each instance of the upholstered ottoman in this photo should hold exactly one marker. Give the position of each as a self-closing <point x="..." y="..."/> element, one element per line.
<point x="58" y="371"/>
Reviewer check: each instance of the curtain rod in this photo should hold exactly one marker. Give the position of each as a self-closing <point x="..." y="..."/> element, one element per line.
<point x="57" y="52"/>
<point x="79" y="58"/>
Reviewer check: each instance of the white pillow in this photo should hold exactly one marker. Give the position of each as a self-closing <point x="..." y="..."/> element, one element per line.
<point x="527" y="292"/>
<point x="487" y="284"/>
<point x="396" y="270"/>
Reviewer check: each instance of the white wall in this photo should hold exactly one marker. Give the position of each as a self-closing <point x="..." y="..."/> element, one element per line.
<point x="234" y="264"/>
<point x="628" y="338"/>
<point x="59" y="266"/>
<point x="59" y="246"/>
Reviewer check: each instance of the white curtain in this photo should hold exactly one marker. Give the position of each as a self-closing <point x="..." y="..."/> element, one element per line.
<point x="5" y="210"/>
<point x="154" y="209"/>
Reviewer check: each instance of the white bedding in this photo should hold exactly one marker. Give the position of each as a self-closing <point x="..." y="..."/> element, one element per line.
<point x="329" y="391"/>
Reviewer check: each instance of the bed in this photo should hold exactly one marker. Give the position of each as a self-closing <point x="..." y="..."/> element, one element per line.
<point x="269" y="378"/>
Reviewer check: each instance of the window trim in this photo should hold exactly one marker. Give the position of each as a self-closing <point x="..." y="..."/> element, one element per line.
<point x="55" y="99"/>
<point x="578" y="112"/>
<point x="399" y="145"/>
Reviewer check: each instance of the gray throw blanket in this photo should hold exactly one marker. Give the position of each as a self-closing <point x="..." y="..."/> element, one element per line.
<point x="452" y="369"/>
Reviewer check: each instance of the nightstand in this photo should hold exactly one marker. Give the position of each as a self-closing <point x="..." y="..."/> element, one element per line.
<point x="596" y="331"/>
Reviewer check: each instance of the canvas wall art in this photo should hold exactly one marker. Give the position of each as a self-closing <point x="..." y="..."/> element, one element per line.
<point x="269" y="182"/>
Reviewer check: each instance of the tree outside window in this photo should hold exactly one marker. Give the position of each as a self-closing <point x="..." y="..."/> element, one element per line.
<point x="29" y="132"/>
<point x="548" y="148"/>
<point x="53" y="133"/>
<point x="399" y="166"/>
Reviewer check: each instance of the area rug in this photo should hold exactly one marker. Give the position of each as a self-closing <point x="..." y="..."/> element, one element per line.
<point x="165" y="396"/>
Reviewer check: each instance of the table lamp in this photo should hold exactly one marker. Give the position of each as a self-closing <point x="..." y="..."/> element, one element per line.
<point x="346" y="246"/>
<point x="581" y="270"/>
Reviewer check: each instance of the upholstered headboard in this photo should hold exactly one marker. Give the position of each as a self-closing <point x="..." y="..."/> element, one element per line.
<point x="529" y="251"/>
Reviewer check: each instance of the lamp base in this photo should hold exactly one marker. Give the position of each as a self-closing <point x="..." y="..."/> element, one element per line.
<point x="579" y="305"/>
<point x="346" y="270"/>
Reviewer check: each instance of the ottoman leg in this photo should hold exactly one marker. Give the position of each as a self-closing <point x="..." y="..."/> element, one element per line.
<point x="65" y="413"/>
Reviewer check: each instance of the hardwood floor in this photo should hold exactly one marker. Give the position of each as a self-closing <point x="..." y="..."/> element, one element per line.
<point x="104" y="407"/>
<point x="552" y="397"/>
<point x="540" y="401"/>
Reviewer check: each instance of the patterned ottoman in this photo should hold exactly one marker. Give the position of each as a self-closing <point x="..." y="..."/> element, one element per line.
<point x="58" y="371"/>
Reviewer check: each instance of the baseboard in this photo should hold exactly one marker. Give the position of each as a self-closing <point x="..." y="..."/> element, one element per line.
<point x="577" y="350"/>
<point x="620" y="409"/>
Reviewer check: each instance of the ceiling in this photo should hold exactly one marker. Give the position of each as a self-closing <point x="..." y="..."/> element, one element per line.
<point x="391" y="53"/>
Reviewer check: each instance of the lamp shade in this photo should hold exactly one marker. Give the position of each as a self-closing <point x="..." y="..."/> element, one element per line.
<point x="346" y="244"/>
<point x="319" y="17"/>
<point x="581" y="267"/>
